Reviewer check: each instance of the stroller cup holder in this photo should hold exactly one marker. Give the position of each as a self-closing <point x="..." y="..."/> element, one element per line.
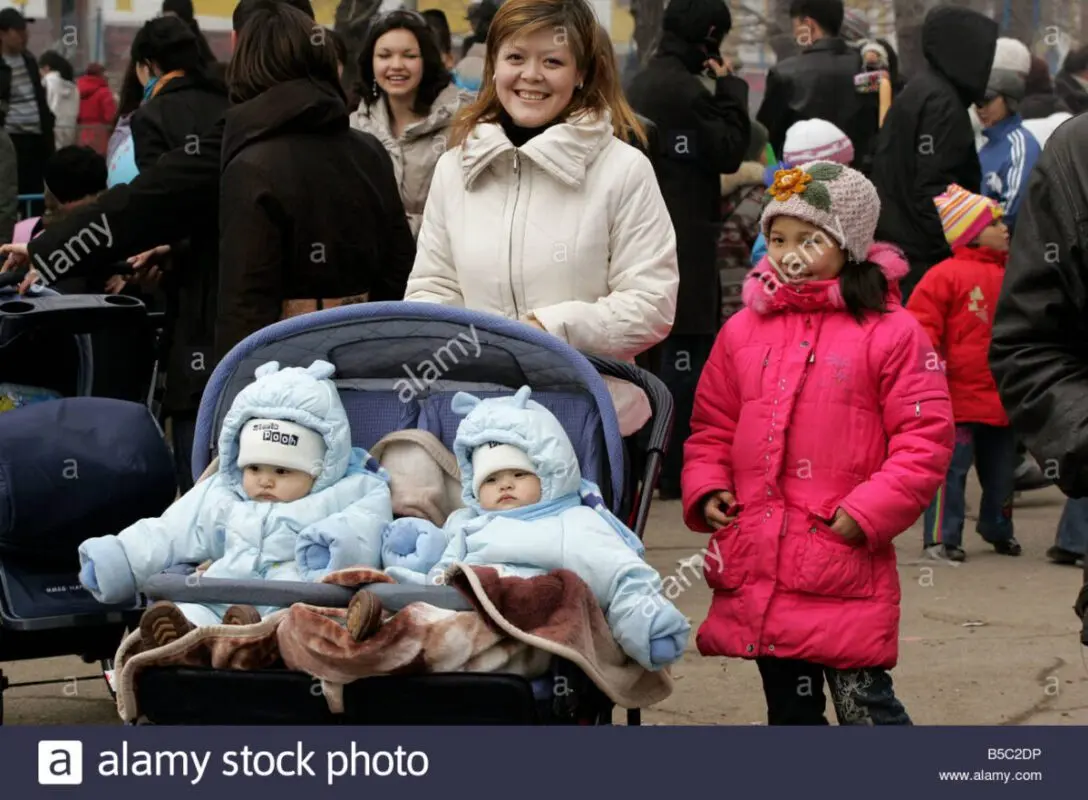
<point x="74" y="314"/>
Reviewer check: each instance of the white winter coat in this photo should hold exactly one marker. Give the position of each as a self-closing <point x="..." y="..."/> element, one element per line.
<point x="570" y="228"/>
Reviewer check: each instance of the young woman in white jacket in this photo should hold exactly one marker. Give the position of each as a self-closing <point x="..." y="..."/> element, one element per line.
<point x="541" y="211"/>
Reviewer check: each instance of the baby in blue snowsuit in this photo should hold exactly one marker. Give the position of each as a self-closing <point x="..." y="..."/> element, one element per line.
<point x="292" y="501"/>
<point x="528" y="511"/>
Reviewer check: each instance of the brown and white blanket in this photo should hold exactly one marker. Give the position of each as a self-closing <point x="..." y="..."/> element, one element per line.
<point x="519" y="625"/>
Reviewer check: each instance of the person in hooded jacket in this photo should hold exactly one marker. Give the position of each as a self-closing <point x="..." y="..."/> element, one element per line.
<point x="97" y="108"/>
<point x="819" y="82"/>
<point x="927" y="141"/>
<point x="291" y="500"/>
<point x="703" y="136"/>
<point x="408" y="102"/>
<point x="541" y="211"/>
<point x="306" y="218"/>
<point x="527" y="512"/>
<point x="61" y="95"/>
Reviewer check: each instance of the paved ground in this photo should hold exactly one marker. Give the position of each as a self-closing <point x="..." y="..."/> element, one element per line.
<point x="991" y="642"/>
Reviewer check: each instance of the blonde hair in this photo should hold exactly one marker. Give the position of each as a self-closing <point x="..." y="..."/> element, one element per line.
<point x="593" y="57"/>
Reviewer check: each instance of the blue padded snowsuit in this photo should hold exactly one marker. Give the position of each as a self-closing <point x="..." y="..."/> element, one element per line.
<point x="338" y="524"/>
<point x="559" y="532"/>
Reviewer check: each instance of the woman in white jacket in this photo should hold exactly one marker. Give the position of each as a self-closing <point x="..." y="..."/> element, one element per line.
<point x="61" y="95"/>
<point x="541" y="211"/>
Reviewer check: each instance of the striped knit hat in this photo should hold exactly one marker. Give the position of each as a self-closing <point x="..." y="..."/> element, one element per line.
<point x="816" y="140"/>
<point x="964" y="215"/>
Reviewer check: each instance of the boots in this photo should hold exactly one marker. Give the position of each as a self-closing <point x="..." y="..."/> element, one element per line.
<point x="163" y="623"/>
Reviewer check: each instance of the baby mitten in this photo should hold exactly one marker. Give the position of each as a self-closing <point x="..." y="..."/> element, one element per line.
<point x="669" y="633"/>
<point x="412" y="543"/>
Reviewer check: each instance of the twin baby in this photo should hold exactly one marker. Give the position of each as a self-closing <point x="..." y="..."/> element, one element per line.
<point x="293" y="500"/>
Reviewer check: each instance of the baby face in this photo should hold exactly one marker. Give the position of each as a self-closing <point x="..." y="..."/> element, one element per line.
<point x="509" y="488"/>
<point x="275" y="484"/>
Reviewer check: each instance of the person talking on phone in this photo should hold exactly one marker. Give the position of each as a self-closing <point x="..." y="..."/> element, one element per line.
<point x="703" y="135"/>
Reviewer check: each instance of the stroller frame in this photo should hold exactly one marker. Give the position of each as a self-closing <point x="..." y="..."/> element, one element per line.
<point x="95" y="323"/>
<point x="382" y="340"/>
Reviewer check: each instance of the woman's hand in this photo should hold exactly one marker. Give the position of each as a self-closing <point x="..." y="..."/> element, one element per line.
<point x="152" y="256"/>
<point x="716" y="509"/>
<point x="846" y="526"/>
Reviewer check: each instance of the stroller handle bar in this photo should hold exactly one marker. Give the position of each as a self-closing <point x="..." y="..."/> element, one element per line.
<point x="661" y="420"/>
<point x="661" y="402"/>
<point x="193" y="588"/>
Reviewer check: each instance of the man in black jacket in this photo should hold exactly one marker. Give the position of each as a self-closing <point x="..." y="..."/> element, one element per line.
<point x="163" y="204"/>
<point x="1039" y="354"/>
<point x="819" y="83"/>
<point x="702" y="136"/>
<point x="927" y="141"/>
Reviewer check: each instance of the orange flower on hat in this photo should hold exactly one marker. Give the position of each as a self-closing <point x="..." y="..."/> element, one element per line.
<point x="788" y="182"/>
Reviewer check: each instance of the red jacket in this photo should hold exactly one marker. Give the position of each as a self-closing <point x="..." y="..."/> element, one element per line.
<point x="801" y="410"/>
<point x="955" y="303"/>
<point x="97" y="108"/>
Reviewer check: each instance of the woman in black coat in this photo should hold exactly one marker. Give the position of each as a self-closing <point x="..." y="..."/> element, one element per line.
<point x="182" y="97"/>
<point x="310" y="214"/>
<point x="181" y="101"/>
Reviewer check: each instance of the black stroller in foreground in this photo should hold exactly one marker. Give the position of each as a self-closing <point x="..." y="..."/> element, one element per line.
<point x="96" y="355"/>
<point x="398" y="365"/>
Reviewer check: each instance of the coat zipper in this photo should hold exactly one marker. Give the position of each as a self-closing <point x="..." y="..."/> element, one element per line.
<point x="513" y="214"/>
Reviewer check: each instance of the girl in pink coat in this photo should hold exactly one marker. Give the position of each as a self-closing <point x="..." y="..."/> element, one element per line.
<point x="822" y="429"/>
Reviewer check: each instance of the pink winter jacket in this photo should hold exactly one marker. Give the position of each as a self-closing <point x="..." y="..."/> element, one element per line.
<point x="801" y="410"/>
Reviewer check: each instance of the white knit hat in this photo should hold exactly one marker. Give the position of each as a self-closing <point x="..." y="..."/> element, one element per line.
<point x="1012" y="55"/>
<point x="487" y="459"/>
<point x="816" y="140"/>
<point x="1008" y="75"/>
<point x="279" y="443"/>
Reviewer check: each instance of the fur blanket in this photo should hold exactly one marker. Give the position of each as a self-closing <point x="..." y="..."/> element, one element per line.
<point x="519" y="625"/>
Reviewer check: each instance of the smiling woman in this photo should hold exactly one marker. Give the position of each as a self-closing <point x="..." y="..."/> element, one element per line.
<point x="542" y="212"/>
<point x="408" y="101"/>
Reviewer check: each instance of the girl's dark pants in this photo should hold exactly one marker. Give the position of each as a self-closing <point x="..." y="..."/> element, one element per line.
<point x="795" y="694"/>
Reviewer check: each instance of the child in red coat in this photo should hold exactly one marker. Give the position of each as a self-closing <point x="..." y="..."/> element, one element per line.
<point x="955" y="301"/>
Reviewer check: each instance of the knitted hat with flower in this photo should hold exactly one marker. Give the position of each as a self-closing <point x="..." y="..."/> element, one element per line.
<point x="833" y="197"/>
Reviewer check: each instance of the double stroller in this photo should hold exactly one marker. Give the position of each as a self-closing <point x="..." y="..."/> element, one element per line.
<point x="398" y="365"/>
<point x="88" y="457"/>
